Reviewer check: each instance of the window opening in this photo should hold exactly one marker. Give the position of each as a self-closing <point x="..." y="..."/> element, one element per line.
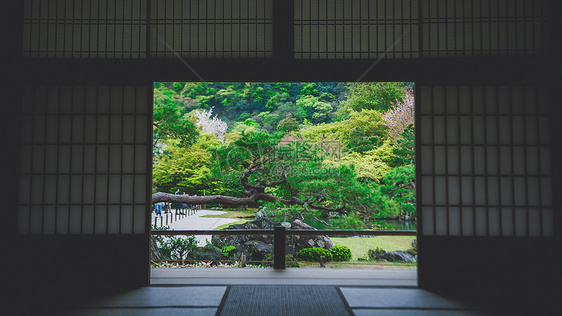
<point x="334" y="156"/>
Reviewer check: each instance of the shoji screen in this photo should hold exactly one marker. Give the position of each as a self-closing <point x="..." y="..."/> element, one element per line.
<point x="356" y="29"/>
<point x="85" y="28"/>
<point x="211" y="28"/>
<point x="484" y="27"/>
<point x="125" y="29"/>
<point x="367" y="29"/>
<point x="84" y="157"/>
<point x="485" y="161"/>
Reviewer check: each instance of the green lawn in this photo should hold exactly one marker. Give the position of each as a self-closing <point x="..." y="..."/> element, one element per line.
<point x="242" y="221"/>
<point x="360" y="246"/>
<point x="247" y="214"/>
<point x="242" y="216"/>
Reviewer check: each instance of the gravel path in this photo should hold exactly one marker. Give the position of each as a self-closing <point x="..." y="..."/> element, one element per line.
<point x="197" y="222"/>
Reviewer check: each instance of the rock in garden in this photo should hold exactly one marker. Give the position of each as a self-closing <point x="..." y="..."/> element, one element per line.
<point x="207" y="253"/>
<point x="398" y="256"/>
<point x="262" y="214"/>
<point x="302" y="242"/>
<point x="257" y="246"/>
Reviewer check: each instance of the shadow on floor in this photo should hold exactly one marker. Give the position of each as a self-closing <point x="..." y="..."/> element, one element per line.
<point x="275" y="292"/>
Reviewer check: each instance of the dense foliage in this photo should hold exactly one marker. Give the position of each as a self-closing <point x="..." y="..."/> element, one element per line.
<point x="324" y="150"/>
<point x="176" y="247"/>
<point x="313" y="254"/>
<point x="341" y="253"/>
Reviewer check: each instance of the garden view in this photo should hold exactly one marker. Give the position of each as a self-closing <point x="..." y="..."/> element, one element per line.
<point x="328" y="155"/>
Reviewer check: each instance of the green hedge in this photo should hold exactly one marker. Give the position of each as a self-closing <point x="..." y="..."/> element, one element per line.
<point x="313" y="254"/>
<point x="341" y="253"/>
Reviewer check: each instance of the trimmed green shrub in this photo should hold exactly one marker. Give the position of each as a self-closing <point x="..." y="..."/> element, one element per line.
<point x="313" y="254"/>
<point x="341" y="253"/>
<point x="227" y="251"/>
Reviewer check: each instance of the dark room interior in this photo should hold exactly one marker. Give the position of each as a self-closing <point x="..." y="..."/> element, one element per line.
<point x="78" y="78"/>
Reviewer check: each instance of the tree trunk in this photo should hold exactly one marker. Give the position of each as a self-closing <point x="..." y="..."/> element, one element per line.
<point x="198" y="200"/>
<point x="235" y="201"/>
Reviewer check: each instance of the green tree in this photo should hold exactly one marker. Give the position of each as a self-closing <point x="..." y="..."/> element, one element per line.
<point x="178" y="86"/>
<point x="171" y="121"/>
<point x="270" y="120"/>
<point x="400" y="186"/>
<point x="378" y="96"/>
<point x="258" y="168"/>
<point x="227" y="96"/>
<point x="246" y="126"/>
<point x="297" y="112"/>
<point x="186" y="168"/>
<point x="405" y="150"/>
<point x="307" y="101"/>
<point x="321" y="112"/>
<point x="308" y="89"/>
<point x="373" y="164"/>
<point x="288" y="124"/>
<point x="258" y="161"/>
<point x="370" y="122"/>
<point x="276" y="100"/>
<point x="360" y="142"/>
<point x="202" y="92"/>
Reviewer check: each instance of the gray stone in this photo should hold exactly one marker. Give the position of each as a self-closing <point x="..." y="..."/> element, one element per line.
<point x="262" y="214"/>
<point x="255" y="247"/>
<point x="301" y="242"/>
<point x="397" y="256"/>
<point x="259" y="246"/>
<point x="209" y="252"/>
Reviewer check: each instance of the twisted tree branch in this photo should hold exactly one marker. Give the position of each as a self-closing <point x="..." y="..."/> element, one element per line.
<point x="236" y="201"/>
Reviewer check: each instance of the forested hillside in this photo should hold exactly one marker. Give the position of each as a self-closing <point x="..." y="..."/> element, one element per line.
<point x="338" y="150"/>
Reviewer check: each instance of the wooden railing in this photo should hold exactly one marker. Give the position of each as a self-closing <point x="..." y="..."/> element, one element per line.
<point x="279" y="233"/>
